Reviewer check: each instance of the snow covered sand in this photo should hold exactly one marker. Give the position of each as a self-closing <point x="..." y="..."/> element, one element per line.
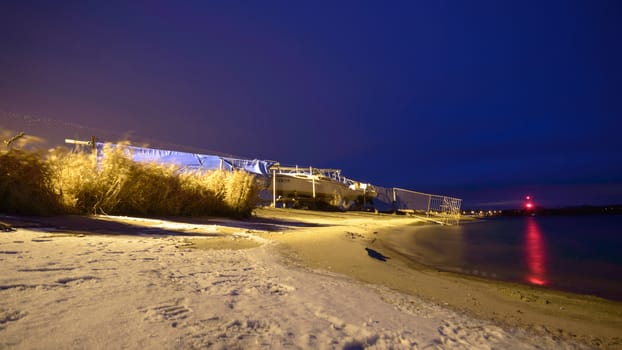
<point x="105" y="282"/>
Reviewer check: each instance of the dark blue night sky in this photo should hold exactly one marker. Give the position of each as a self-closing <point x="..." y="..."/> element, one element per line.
<point x="483" y="100"/>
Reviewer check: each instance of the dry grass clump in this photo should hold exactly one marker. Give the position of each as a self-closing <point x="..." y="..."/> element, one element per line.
<point x="203" y="190"/>
<point x="233" y="193"/>
<point x="26" y="185"/>
<point x="241" y="192"/>
<point x="115" y="184"/>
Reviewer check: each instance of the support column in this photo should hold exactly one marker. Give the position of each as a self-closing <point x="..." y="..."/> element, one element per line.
<point x="429" y="201"/>
<point x="394" y="201"/>
<point x="312" y="180"/>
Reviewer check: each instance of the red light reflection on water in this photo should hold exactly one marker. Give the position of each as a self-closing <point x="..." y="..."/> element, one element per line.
<point x="535" y="254"/>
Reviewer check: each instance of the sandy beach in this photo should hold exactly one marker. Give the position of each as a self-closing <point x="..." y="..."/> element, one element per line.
<point x="283" y="279"/>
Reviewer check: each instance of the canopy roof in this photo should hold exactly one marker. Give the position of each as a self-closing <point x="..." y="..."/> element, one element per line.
<point x="194" y="161"/>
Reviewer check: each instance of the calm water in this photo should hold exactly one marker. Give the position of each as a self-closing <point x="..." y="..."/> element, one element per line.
<point x="575" y="253"/>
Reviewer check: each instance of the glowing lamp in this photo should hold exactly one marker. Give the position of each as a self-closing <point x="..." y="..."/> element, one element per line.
<point x="529" y="205"/>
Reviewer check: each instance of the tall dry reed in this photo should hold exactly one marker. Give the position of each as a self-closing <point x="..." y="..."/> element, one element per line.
<point x="26" y="185"/>
<point x="115" y="184"/>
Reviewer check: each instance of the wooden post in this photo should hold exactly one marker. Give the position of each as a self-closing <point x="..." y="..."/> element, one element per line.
<point x="93" y="145"/>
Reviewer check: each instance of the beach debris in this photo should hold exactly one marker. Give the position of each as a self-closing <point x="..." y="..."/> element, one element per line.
<point x="376" y="255"/>
<point x="6" y="227"/>
<point x="10" y="315"/>
<point x="354" y="235"/>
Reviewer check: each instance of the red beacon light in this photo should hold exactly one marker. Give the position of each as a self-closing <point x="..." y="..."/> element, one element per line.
<point x="529" y="205"/>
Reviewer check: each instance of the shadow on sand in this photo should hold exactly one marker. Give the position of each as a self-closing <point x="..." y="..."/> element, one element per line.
<point x="119" y="225"/>
<point x="376" y="255"/>
<point x="261" y="224"/>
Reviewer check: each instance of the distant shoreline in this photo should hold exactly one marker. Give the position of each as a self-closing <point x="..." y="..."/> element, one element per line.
<point x="569" y="211"/>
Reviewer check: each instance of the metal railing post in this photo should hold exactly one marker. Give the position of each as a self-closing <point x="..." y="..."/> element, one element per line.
<point x="394" y="201"/>
<point x="273" y="188"/>
<point x="429" y="202"/>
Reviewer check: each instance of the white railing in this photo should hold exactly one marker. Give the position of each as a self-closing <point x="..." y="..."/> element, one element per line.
<point x="442" y="209"/>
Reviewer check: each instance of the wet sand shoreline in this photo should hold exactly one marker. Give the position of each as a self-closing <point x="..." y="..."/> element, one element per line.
<point x="592" y="320"/>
